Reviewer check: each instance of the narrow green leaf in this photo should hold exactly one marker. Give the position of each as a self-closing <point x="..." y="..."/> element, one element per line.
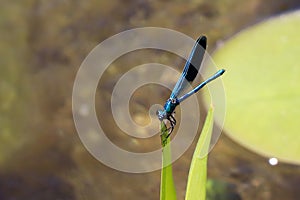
<point x="167" y="187"/>
<point x="196" y="186"/>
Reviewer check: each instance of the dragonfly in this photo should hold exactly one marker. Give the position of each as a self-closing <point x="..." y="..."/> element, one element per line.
<point x="188" y="75"/>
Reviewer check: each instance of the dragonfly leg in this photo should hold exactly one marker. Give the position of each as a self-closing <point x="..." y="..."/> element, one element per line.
<point x="170" y="131"/>
<point x="172" y="121"/>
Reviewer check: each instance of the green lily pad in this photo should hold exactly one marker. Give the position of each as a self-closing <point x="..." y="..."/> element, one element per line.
<point x="262" y="84"/>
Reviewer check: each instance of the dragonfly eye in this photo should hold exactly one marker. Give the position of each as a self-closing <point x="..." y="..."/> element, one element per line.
<point x="161" y="114"/>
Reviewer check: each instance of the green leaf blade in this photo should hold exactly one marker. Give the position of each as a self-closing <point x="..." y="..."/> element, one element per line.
<point x="196" y="186"/>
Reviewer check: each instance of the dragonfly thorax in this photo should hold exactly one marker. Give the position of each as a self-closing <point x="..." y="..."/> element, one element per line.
<point x="169" y="108"/>
<point x="170" y="105"/>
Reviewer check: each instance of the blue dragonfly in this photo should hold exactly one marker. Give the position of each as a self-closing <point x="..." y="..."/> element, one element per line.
<point x="188" y="75"/>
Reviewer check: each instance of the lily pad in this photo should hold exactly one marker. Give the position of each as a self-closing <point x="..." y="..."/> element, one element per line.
<point x="262" y="86"/>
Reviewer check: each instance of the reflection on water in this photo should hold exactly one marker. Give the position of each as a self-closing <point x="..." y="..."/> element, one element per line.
<point x="43" y="45"/>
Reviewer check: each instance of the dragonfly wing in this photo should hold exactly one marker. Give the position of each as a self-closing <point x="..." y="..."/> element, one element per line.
<point x="191" y="67"/>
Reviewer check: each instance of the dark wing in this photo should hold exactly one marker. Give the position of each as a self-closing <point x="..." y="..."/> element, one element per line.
<point x="191" y="67"/>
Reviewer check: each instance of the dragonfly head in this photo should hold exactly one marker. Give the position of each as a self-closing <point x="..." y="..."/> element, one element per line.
<point x="161" y="114"/>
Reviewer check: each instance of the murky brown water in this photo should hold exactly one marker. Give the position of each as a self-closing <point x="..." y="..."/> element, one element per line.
<point x="44" y="43"/>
